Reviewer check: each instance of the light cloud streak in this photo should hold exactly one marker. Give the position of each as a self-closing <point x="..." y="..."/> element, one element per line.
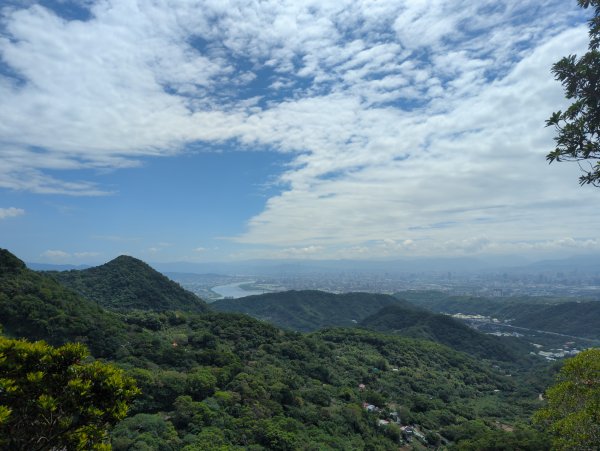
<point x="11" y="212"/>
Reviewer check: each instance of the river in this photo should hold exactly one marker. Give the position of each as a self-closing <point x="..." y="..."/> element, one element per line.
<point x="234" y="290"/>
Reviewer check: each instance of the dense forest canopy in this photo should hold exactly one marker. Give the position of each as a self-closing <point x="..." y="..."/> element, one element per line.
<point x="212" y="380"/>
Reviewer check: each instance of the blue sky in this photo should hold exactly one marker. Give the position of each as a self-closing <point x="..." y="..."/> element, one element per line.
<point x="231" y="130"/>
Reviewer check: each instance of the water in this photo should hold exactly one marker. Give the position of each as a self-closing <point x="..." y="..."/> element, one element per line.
<point x="234" y="290"/>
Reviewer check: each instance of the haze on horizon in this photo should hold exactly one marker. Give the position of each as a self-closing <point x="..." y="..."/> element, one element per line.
<point x="233" y="130"/>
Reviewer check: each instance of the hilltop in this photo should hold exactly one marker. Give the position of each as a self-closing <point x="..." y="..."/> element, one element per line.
<point x="312" y="310"/>
<point x="557" y="315"/>
<point x="442" y="329"/>
<point x="127" y="283"/>
<point x="309" y="310"/>
<point x="36" y="306"/>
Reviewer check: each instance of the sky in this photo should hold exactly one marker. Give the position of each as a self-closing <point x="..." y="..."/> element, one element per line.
<point x="225" y="130"/>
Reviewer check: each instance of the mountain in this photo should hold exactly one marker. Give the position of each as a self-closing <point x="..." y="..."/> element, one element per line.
<point x="418" y="323"/>
<point x="227" y="381"/>
<point x="557" y="315"/>
<point x="128" y="283"/>
<point x="36" y="306"/>
<point x="309" y="310"/>
<point x="53" y="267"/>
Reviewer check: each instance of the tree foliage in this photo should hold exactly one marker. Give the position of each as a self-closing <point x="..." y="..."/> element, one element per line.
<point x="227" y="381"/>
<point x="127" y="283"/>
<point x="50" y="398"/>
<point x="573" y="411"/>
<point x="578" y="127"/>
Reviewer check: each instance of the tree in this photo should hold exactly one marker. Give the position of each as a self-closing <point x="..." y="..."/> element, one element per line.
<point x="50" y="398"/>
<point x="572" y="414"/>
<point x="578" y="128"/>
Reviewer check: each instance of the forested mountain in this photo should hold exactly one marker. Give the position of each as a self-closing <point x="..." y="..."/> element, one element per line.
<point x="564" y="316"/>
<point x="445" y="330"/>
<point x="128" y="283"/>
<point x="36" y="306"/>
<point x="313" y="310"/>
<point x="309" y="310"/>
<point x="227" y="381"/>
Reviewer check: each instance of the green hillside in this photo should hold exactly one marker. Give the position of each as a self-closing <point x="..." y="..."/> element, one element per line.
<point x="127" y="283"/>
<point x="227" y="381"/>
<point x="309" y="310"/>
<point x="442" y="329"/>
<point x="559" y="315"/>
<point x="313" y="310"/>
<point x="36" y="306"/>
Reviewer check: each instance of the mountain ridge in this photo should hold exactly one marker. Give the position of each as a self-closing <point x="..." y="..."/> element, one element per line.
<point x="126" y="283"/>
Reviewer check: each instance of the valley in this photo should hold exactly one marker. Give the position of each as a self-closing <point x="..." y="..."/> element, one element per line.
<point x="332" y="371"/>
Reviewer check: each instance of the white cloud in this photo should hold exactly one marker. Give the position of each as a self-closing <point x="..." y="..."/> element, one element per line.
<point x="85" y="254"/>
<point x="55" y="254"/>
<point x="413" y="126"/>
<point x="11" y="212"/>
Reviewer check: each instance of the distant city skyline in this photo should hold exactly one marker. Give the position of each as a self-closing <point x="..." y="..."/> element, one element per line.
<point x="226" y="131"/>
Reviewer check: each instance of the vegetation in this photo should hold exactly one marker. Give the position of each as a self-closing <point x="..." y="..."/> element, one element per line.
<point x="578" y="128"/>
<point x="562" y="316"/>
<point x="312" y="310"/>
<point x="50" y="398"/>
<point x="128" y="283"/>
<point x="39" y="308"/>
<point x="227" y="381"/>
<point x="442" y="329"/>
<point x="309" y="310"/>
<point x="573" y="411"/>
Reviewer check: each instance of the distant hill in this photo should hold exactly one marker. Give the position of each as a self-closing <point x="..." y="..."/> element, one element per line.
<point x="53" y="267"/>
<point x="309" y="310"/>
<point x="563" y="316"/>
<point x="36" y="306"/>
<point x="128" y="283"/>
<point x="417" y="323"/>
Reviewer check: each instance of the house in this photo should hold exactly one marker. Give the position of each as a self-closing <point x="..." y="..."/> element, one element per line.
<point x="370" y="407"/>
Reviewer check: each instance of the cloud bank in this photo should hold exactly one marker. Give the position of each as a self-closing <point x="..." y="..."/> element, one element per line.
<point x="413" y="127"/>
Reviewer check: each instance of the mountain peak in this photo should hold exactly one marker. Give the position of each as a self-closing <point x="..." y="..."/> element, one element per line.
<point x="129" y="283"/>
<point x="125" y="260"/>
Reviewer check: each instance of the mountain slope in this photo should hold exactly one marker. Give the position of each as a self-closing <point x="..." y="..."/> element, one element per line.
<point x="558" y="315"/>
<point x="216" y="380"/>
<point x="128" y="283"/>
<point x="309" y="310"/>
<point x="441" y="329"/>
<point x="36" y="306"/>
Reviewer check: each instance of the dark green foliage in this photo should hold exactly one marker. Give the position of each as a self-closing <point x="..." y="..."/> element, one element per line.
<point x="127" y="283"/>
<point x="10" y="264"/>
<point x="52" y="399"/>
<point x="572" y="414"/>
<point x="228" y="381"/>
<point x="37" y="307"/>
<point x="523" y="438"/>
<point x="581" y="319"/>
<point x="145" y="432"/>
<point x="578" y="128"/>
<point x="441" y="329"/>
<point x="309" y="310"/>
